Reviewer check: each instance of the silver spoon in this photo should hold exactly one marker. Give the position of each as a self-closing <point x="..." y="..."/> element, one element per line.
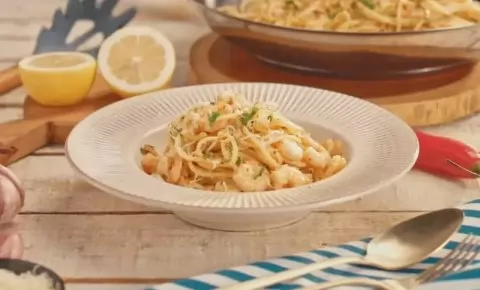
<point x="405" y="244"/>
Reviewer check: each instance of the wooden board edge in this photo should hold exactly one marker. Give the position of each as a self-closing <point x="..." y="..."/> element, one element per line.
<point x="418" y="113"/>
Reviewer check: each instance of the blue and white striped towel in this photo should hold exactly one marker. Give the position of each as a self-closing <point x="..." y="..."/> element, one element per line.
<point x="468" y="279"/>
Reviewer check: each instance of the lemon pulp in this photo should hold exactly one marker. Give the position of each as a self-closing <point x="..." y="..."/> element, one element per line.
<point x="136" y="60"/>
<point x="58" y="78"/>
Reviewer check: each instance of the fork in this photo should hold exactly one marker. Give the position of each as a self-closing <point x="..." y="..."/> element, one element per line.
<point x="460" y="257"/>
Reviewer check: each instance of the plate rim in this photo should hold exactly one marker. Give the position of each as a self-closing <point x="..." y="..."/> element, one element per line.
<point x="257" y="208"/>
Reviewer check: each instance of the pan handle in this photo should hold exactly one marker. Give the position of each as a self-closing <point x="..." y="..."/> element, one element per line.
<point x="9" y="79"/>
<point x="21" y="138"/>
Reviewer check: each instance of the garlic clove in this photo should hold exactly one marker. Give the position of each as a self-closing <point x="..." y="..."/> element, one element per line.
<point x="12" y="195"/>
<point x="15" y="243"/>
<point x="11" y="242"/>
<point x="7" y="173"/>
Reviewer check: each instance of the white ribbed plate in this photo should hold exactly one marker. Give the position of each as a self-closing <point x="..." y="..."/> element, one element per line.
<point x="104" y="148"/>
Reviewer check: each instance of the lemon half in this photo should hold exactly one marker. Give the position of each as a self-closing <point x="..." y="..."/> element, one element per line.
<point x="58" y="78"/>
<point x="137" y="60"/>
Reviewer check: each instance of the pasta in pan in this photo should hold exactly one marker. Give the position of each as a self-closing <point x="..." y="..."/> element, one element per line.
<point x="231" y="145"/>
<point x="359" y="15"/>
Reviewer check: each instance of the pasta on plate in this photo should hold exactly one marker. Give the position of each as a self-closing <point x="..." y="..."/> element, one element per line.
<point x="359" y="15"/>
<point x="232" y="145"/>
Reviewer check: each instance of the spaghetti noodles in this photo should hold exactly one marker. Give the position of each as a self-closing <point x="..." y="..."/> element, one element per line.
<point x="231" y="145"/>
<point x="359" y="15"/>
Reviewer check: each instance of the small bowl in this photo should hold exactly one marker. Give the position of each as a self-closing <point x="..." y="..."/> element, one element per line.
<point x="22" y="266"/>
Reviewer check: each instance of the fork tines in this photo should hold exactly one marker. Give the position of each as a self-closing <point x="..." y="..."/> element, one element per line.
<point x="463" y="255"/>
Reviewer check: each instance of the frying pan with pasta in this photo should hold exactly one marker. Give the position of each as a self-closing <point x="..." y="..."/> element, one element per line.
<point x="359" y="15"/>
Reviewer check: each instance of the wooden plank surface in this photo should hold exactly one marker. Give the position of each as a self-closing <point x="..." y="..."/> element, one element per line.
<point x="99" y="242"/>
<point x="159" y="246"/>
<point x="58" y="189"/>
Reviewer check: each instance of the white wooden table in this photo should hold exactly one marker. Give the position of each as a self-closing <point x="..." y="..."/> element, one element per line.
<point x="96" y="241"/>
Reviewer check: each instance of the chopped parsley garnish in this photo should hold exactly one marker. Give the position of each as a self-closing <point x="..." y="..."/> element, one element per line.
<point x="176" y="130"/>
<point x="247" y="116"/>
<point x="213" y="117"/>
<point x="239" y="161"/>
<point x="270" y="118"/>
<point x="368" y="3"/>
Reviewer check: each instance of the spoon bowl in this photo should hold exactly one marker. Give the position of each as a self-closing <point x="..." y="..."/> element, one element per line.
<point x="412" y="241"/>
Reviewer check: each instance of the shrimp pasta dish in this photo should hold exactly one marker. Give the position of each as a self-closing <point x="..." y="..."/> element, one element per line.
<point x="359" y="15"/>
<point x="232" y="145"/>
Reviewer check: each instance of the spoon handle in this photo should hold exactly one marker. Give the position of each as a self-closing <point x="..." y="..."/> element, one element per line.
<point x="361" y="281"/>
<point x="290" y="274"/>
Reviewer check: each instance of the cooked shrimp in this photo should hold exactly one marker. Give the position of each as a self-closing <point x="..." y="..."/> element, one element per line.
<point x="335" y="164"/>
<point x="159" y="164"/>
<point x="274" y="136"/>
<point x="308" y="140"/>
<point x="163" y="166"/>
<point x="217" y="126"/>
<point x="227" y="105"/>
<point x="261" y="120"/>
<point x="251" y="177"/>
<point x="318" y="173"/>
<point x="277" y="156"/>
<point x="196" y="122"/>
<point x="150" y="163"/>
<point x="287" y="176"/>
<point x="279" y="121"/>
<point x="333" y="146"/>
<point x="176" y="170"/>
<point x="315" y="158"/>
<point x="233" y="99"/>
<point x="227" y="97"/>
<point x="291" y="150"/>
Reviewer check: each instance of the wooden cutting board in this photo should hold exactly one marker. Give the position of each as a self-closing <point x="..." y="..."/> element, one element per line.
<point x="43" y="126"/>
<point x="420" y="101"/>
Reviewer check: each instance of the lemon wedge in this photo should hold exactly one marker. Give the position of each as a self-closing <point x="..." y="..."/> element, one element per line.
<point x="58" y="78"/>
<point x="136" y="60"/>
